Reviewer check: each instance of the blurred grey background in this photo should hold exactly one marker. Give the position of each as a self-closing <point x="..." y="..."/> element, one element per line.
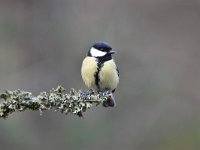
<point x="43" y="43"/>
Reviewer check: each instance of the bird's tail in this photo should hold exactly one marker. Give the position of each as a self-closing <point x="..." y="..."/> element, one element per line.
<point x="110" y="102"/>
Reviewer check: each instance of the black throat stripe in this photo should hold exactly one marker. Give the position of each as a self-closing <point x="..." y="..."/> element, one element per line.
<point x="100" y="63"/>
<point x="96" y="75"/>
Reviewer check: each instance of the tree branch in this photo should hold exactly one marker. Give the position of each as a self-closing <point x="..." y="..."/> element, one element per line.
<point x="75" y="102"/>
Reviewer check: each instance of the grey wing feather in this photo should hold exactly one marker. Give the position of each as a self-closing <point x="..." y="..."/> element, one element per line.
<point x="117" y="72"/>
<point x="118" y="76"/>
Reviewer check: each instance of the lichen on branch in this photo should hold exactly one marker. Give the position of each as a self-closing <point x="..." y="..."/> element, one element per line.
<point x="74" y="102"/>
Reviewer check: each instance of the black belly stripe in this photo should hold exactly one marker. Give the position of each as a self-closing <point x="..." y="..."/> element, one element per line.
<point x="100" y="63"/>
<point x="96" y="75"/>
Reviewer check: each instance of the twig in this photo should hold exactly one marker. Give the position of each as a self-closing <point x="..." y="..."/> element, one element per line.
<point x="75" y="102"/>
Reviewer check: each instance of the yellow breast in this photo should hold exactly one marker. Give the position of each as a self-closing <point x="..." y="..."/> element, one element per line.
<point x="108" y="75"/>
<point x="89" y="67"/>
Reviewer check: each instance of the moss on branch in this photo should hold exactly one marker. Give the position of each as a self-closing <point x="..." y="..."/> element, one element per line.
<point x="74" y="102"/>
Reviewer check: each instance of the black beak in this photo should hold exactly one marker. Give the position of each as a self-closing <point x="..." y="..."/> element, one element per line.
<point x="112" y="52"/>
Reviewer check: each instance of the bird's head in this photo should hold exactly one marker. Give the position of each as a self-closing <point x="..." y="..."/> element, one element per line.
<point x="100" y="49"/>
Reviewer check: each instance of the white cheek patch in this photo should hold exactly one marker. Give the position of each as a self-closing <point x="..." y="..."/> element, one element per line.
<point x="97" y="53"/>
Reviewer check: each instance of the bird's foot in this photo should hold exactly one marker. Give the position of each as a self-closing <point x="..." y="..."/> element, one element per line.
<point x="107" y="93"/>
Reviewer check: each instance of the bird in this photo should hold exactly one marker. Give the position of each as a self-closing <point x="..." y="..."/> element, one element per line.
<point x="99" y="71"/>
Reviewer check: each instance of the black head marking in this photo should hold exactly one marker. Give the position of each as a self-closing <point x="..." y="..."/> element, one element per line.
<point x="100" y="49"/>
<point x="102" y="46"/>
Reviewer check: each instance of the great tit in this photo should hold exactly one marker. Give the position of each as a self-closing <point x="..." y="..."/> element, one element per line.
<point x="100" y="72"/>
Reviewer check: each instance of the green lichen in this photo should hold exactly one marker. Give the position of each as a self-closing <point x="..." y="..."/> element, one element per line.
<point x="74" y="102"/>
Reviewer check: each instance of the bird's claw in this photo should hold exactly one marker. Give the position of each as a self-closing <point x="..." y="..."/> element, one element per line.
<point x="107" y="93"/>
